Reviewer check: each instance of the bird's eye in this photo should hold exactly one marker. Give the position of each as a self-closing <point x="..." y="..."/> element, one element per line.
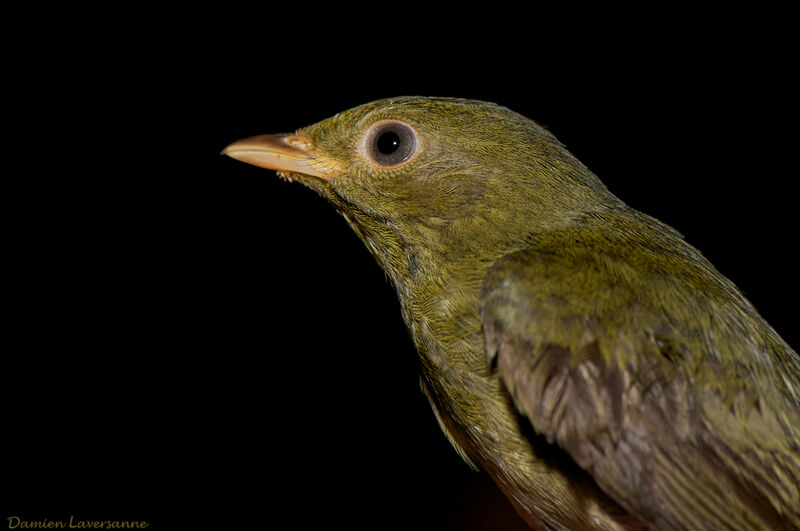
<point x="391" y="143"/>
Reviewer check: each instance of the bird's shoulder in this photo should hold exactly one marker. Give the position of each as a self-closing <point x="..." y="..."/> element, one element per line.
<point x="621" y="277"/>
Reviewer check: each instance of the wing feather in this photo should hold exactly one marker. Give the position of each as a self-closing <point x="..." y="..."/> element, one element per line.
<point x="637" y="383"/>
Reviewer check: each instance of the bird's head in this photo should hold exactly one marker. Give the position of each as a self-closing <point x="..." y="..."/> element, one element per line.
<point x="430" y="180"/>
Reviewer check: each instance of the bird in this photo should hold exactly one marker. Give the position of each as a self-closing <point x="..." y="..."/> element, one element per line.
<point x="581" y="353"/>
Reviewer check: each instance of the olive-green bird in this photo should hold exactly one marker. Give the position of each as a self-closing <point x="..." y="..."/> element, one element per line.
<point x="547" y="313"/>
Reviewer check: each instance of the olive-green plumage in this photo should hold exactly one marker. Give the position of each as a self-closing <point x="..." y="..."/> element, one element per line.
<point x="597" y="366"/>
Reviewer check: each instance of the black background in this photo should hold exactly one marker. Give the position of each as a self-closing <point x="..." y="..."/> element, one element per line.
<point x="192" y="340"/>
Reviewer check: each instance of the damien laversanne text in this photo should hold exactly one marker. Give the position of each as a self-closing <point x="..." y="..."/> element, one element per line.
<point x="15" y="522"/>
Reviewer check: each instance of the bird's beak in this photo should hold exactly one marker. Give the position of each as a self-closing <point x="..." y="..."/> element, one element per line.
<point x="285" y="153"/>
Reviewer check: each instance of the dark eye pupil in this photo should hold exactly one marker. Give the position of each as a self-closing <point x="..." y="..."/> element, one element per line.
<point x="388" y="142"/>
<point x="391" y="143"/>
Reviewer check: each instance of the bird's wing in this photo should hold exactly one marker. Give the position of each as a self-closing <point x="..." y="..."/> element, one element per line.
<point x="646" y="400"/>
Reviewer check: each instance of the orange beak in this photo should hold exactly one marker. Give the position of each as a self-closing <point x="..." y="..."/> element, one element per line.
<point x="287" y="152"/>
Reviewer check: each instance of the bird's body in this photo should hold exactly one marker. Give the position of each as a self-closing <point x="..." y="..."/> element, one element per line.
<point x="597" y="366"/>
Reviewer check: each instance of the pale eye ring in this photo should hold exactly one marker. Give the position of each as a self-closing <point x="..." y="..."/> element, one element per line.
<point x="391" y="143"/>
